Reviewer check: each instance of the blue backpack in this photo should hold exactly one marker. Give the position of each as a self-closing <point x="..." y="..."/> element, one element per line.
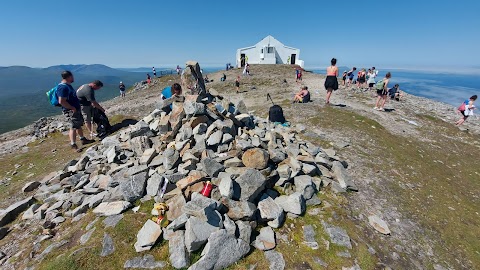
<point x="52" y="96"/>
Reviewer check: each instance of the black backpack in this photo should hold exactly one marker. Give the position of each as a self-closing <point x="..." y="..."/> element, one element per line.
<point x="275" y="113"/>
<point x="103" y="125"/>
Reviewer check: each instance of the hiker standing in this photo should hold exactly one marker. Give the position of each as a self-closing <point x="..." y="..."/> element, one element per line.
<point x="122" y="89"/>
<point x="86" y="95"/>
<point x="331" y="83"/>
<point x="149" y="79"/>
<point x="466" y="109"/>
<point x="154" y="72"/>
<point x="237" y="84"/>
<point x="67" y="98"/>
<point x="382" y="92"/>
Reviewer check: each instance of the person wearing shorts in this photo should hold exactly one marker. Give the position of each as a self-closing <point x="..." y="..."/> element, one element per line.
<point x="466" y="109"/>
<point x="351" y="75"/>
<point x="86" y="96"/>
<point x="67" y="98"/>
<point x="122" y="88"/>
<point x="382" y="93"/>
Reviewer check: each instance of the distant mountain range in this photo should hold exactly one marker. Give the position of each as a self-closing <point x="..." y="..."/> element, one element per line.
<point x="21" y="80"/>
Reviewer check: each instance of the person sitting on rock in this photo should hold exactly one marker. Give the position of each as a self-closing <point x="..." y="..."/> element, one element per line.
<point x="169" y="95"/>
<point x="394" y="92"/>
<point x="223" y="78"/>
<point x="303" y="96"/>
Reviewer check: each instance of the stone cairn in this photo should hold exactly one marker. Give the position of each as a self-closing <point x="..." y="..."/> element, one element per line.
<point x="261" y="174"/>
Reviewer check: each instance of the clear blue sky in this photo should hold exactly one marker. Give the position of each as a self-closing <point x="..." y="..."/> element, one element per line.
<point x="145" y="33"/>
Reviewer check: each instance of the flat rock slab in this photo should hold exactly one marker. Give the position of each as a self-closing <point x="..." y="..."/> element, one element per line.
<point x="107" y="245"/>
<point x="11" y="213"/>
<point x="84" y="238"/>
<point x="337" y="235"/>
<point x="275" y="259"/>
<point x="145" y="262"/>
<point x="221" y="251"/>
<point x="111" y="208"/>
<point x="309" y="237"/>
<point x="343" y="177"/>
<point x="50" y="248"/>
<point x="147" y="236"/>
<point x="179" y="257"/>
<point x="378" y="224"/>
<point x="265" y="240"/>
<point x="249" y="185"/>
<point x="294" y="203"/>
<point x="3" y="232"/>
<point x="31" y="186"/>
<point x="112" y="221"/>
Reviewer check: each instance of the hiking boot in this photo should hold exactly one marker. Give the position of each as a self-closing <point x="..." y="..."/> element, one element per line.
<point x="86" y="141"/>
<point x="75" y="148"/>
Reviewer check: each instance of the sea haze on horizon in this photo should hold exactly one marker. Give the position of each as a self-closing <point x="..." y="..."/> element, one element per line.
<point x="452" y="89"/>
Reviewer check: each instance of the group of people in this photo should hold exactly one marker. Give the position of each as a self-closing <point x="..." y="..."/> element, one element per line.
<point x="78" y="107"/>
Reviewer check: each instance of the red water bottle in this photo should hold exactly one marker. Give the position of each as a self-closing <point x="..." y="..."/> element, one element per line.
<point x="207" y="189"/>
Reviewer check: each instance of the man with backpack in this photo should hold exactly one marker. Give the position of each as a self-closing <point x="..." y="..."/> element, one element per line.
<point x="86" y="95"/>
<point x="67" y="98"/>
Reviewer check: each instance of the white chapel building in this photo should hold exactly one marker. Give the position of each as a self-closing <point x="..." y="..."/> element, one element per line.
<point x="268" y="51"/>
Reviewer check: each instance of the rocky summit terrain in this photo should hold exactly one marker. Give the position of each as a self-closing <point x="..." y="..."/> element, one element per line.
<point x="215" y="185"/>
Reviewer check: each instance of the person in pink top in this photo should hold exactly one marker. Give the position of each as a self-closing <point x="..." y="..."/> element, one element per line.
<point x="331" y="83"/>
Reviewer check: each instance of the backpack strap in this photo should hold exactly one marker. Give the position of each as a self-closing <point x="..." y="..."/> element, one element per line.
<point x="269" y="97"/>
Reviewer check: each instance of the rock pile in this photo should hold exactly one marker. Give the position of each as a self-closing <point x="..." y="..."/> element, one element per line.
<point x="262" y="173"/>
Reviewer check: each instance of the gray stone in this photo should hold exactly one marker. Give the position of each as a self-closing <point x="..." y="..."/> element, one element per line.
<point x="58" y="220"/>
<point x="111" y="154"/>
<point x="249" y="185"/>
<point x="84" y="238"/>
<point x="271" y="212"/>
<point x="111" y="208"/>
<point x="226" y="187"/>
<point x="50" y="248"/>
<point x="378" y="224"/>
<point x="244" y="230"/>
<point x="134" y="188"/>
<point x="31" y="186"/>
<point x="171" y="157"/>
<point x="112" y="221"/>
<point x="233" y="162"/>
<point x="179" y="257"/>
<point x="153" y="184"/>
<point x="265" y="240"/>
<point x="95" y="200"/>
<point x="198" y="230"/>
<point x="239" y="210"/>
<point x="11" y="213"/>
<point x="275" y="259"/>
<point x="227" y="138"/>
<point x="91" y="224"/>
<point x="194" y="108"/>
<point x="337" y="235"/>
<point x="314" y="201"/>
<point x="309" y="169"/>
<point x="148" y="156"/>
<point x="229" y="225"/>
<point x="197" y="205"/>
<point x="212" y="167"/>
<point x="277" y="155"/>
<point x="294" y="203"/>
<point x="342" y="176"/>
<point x="178" y="223"/>
<point x="344" y="254"/>
<point x="243" y="145"/>
<point x="309" y="237"/>
<point x="354" y="267"/>
<point x="147" y="236"/>
<point x="145" y="262"/>
<point x="107" y="245"/>
<point x="215" y="138"/>
<point x="79" y="210"/>
<point x="304" y="185"/>
<point x="222" y="251"/>
<point x="30" y="213"/>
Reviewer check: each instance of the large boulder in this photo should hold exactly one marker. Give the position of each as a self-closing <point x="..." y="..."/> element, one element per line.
<point x="111" y="208"/>
<point x="294" y="203"/>
<point x="265" y="240"/>
<point x="255" y="158"/>
<point x="179" y="257"/>
<point x="147" y="236"/>
<point x="221" y="251"/>
<point x="134" y="188"/>
<point x="337" y="235"/>
<point x="197" y="230"/>
<point x="342" y="176"/>
<point x="240" y="210"/>
<point x="11" y="213"/>
<point x="271" y="211"/>
<point x="249" y="185"/>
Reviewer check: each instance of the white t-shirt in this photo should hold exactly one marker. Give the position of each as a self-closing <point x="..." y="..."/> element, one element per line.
<point x="371" y="77"/>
